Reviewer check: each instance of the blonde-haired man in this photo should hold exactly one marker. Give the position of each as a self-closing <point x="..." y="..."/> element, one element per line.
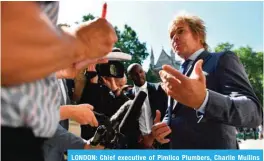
<point x="211" y="93"/>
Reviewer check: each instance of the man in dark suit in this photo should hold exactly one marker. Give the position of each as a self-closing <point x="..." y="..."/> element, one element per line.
<point x="156" y="100"/>
<point x="212" y="94"/>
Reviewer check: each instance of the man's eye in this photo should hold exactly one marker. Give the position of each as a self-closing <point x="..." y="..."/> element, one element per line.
<point x="172" y="34"/>
<point x="180" y="31"/>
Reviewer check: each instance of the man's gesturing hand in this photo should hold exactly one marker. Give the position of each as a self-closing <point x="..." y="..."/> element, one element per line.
<point x="190" y="91"/>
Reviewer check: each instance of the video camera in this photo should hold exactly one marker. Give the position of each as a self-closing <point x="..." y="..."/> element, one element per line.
<point x="112" y="132"/>
<point x="114" y="68"/>
<point x="111" y="69"/>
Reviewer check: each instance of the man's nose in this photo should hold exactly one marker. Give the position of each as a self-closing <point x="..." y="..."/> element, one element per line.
<point x="138" y="75"/>
<point x="174" y="39"/>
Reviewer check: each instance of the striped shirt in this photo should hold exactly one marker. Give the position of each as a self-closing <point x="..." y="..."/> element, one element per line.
<point x="35" y="104"/>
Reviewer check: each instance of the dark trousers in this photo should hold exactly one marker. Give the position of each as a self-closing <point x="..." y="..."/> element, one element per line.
<point x="20" y="144"/>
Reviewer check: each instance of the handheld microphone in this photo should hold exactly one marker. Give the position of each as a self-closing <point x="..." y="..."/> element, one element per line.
<point x="104" y="132"/>
<point x="132" y="113"/>
<point x="110" y="134"/>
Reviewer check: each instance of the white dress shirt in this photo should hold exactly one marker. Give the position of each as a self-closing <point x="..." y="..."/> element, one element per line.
<point x="62" y="87"/>
<point x="145" y="119"/>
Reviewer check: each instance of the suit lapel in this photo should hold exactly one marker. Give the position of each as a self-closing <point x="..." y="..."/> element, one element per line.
<point x="151" y="96"/>
<point x="205" y="56"/>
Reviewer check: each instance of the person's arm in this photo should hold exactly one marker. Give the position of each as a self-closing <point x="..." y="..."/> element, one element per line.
<point x="82" y="81"/>
<point x="64" y="140"/>
<point x="31" y="47"/>
<point x="237" y="104"/>
<point x="79" y="81"/>
<point x="82" y="114"/>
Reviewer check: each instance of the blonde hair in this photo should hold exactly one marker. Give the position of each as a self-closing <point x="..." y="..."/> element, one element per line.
<point x="195" y="23"/>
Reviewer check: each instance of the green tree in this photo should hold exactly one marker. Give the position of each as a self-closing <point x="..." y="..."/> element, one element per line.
<point x="152" y="76"/>
<point x="128" y="42"/>
<point x="88" y="17"/>
<point x="224" y="47"/>
<point x="253" y="63"/>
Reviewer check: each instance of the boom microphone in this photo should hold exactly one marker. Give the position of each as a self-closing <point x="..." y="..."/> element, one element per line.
<point x="132" y="113"/>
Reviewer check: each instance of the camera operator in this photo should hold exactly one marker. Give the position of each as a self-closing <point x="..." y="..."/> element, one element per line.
<point x="102" y="92"/>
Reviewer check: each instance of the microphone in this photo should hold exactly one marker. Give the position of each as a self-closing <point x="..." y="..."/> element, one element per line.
<point x="132" y="113"/>
<point x="104" y="132"/>
<point x="109" y="133"/>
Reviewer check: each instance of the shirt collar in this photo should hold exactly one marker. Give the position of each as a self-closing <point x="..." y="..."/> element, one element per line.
<point x="196" y="54"/>
<point x="144" y="86"/>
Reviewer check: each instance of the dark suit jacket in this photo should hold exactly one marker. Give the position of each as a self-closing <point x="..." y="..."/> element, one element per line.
<point x="232" y="103"/>
<point x="158" y="99"/>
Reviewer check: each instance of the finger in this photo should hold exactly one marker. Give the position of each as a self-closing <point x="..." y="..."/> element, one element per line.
<point x="102" y="61"/>
<point x="166" y="133"/>
<point x="169" y="81"/>
<point x="173" y="83"/>
<point x="100" y="147"/>
<point x="157" y="126"/>
<point x="164" y="87"/>
<point x="158" y="116"/>
<point x="162" y="130"/>
<point x="94" y="121"/>
<point x="89" y="106"/>
<point x="91" y="67"/>
<point x="174" y="88"/>
<point x="84" y="63"/>
<point x="174" y="72"/>
<point x="89" y="119"/>
<point x="173" y="94"/>
<point x="112" y="80"/>
<point x="164" y="141"/>
<point x="199" y="71"/>
<point x="104" y="80"/>
<point x="163" y="75"/>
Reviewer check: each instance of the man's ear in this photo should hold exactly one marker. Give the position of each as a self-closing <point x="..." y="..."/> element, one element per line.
<point x="129" y="76"/>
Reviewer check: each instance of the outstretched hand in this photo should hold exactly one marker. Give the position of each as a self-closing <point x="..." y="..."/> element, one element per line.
<point x="190" y="91"/>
